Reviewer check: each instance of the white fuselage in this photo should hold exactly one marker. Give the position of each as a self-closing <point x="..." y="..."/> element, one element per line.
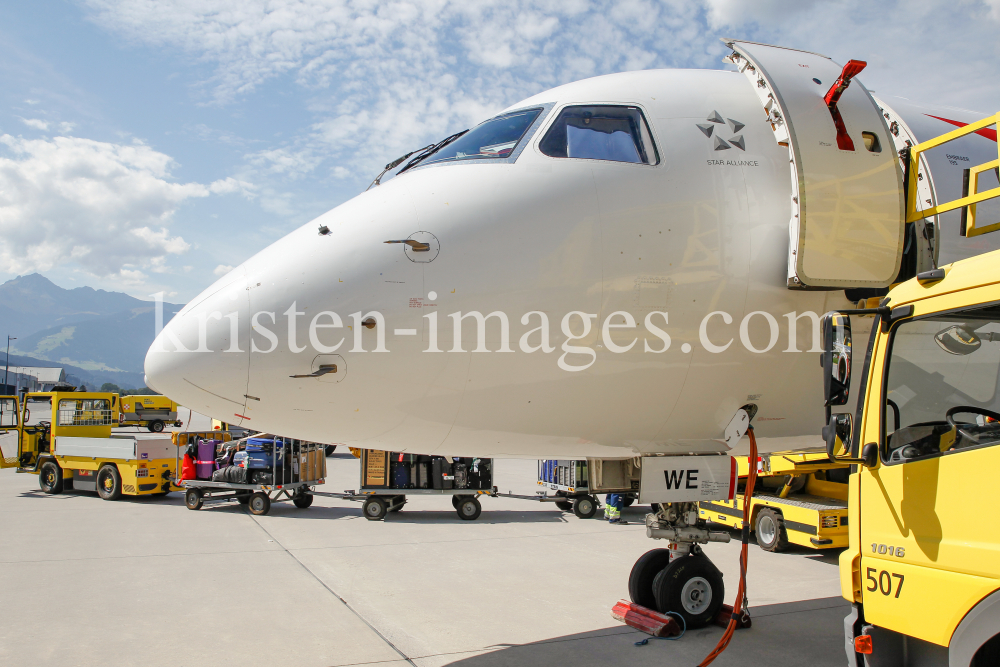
<point x="702" y="231"/>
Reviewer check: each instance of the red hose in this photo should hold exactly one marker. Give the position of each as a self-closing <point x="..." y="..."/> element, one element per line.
<point x="739" y="607"/>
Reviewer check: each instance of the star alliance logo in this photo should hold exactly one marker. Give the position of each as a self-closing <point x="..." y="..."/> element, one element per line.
<point x="718" y="142"/>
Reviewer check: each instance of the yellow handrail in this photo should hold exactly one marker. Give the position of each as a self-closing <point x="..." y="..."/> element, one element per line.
<point x="972" y="198"/>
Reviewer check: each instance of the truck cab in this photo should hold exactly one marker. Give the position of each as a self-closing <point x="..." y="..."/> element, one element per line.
<point x="923" y="566"/>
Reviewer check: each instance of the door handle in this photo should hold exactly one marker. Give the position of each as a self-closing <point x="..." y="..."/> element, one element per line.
<point x="416" y="246"/>
<point x="322" y="370"/>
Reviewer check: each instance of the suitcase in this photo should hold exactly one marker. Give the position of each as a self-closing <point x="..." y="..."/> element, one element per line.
<point x="461" y="476"/>
<point x="400" y="475"/>
<point x="205" y="466"/>
<point x="420" y="474"/>
<point x="441" y="474"/>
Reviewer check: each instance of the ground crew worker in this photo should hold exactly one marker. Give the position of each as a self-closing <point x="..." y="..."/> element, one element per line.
<point x="613" y="505"/>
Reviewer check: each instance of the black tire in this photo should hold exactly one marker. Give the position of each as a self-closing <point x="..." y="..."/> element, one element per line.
<point x="243" y="497"/>
<point x="585" y="507"/>
<point x="109" y="482"/>
<point x="156" y="426"/>
<point x="564" y="505"/>
<point x="193" y="499"/>
<point x="259" y="504"/>
<point x="330" y="449"/>
<point x="303" y="500"/>
<point x="50" y="478"/>
<point x="640" y="580"/>
<point x="454" y="501"/>
<point x="770" y="531"/>
<point x="469" y="508"/>
<point x="628" y="501"/>
<point x="374" y="509"/>
<point x="691" y="586"/>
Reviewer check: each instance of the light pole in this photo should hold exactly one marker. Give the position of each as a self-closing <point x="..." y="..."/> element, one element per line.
<point x="7" y="362"/>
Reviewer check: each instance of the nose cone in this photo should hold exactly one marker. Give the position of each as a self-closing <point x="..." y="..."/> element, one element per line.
<point x="201" y="357"/>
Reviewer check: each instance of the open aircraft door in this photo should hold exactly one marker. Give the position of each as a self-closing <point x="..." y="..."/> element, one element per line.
<point x="10" y="431"/>
<point x="848" y="205"/>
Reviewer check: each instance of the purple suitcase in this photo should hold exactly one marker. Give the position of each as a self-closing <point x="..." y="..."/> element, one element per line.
<point x="205" y="465"/>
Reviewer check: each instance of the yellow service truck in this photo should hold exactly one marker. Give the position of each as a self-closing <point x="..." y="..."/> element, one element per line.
<point x="65" y="438"/>
<point x="800" y="498"/>
<point x="922" y="568"/>
<point x="152" y="411"/>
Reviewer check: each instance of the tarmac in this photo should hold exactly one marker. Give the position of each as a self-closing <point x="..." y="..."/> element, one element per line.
<point x="145" y="581"/>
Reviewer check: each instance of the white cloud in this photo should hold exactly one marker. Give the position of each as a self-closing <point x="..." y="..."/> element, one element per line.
<point x="222" y="269"/>
<point x="35" y="123"/>
<point x="66" y="128"/>
<point x="101" y="206"/>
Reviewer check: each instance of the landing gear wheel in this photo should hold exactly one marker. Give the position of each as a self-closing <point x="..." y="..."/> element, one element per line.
<point x="303" y="500"/>
<point x="640" y="580"/>
<point x="242" y="497"/>
<point x="330" y="449"/>
<point x="259" y="504"/>
<point x="585" y="507"/>
<point x="628" y="501"/>
<point x="50" y="477"/>
<point x="770" y="530"/>
<point x="109" y="483"/>
<point x="469" y="508"/>
<point x="156" y="427"/>
<point x="374" y="509"/>
<point x="691" y="586"/>
<point x="193" y="499"/>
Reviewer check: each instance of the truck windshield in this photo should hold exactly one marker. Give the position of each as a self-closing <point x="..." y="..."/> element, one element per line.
<point x="84" y="412"/>
<point x="495" y="138"/>
<point x="941" y="387"/>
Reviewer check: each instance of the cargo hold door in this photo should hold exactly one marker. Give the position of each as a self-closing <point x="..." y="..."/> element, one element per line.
<point x="847" y="222"/>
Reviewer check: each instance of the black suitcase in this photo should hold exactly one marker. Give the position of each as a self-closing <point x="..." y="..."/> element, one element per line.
<point x="461" y="476"/>
<point x="441" y="474"/>
<point x="420" y="475"/>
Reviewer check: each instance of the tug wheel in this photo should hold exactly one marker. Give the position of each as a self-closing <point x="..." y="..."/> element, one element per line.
<point x="109" y="482"/>
<point x="640" y="580"/>
<point x="770" y="531"/>
<point x="50" y="477"/>
<point x="691" y="586"/>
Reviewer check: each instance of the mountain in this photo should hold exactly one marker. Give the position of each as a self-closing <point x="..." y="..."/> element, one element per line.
<point x="94" y="331"/>
<point x="77" y="376"/>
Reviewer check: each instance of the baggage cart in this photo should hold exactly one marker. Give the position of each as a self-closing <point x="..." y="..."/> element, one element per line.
<point x="277" y="470"/>
<point x="387" y="478"/>
<point x="577" y="482"/>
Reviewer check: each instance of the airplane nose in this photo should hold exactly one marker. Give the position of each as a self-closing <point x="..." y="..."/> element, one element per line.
<point x="201" y="357"/>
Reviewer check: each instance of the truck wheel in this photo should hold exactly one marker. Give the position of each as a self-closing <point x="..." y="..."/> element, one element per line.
<point x="770" y="530"/>
<point x="303" y="500"/>
<point x="469" y="508"/>
<point x="691" y="586"/>
<point x="259" y="504"/>
<point x="585" y="507"/>
<point x="242" y="497"/>
<point x="374" y="509"/>
<point x="640" y="579"/>
<point x="330" y="449"/>
<point x="50" y="477"/>
<point x="109" y="482"/>
<point x="193" y="499"/>
<point x="156" y="427"/>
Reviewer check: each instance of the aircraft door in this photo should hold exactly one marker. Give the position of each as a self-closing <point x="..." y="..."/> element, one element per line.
<point x="847" y="222"/>
<point x="10" y="431"/>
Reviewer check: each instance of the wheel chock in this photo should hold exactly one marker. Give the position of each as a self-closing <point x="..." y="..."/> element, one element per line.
<point x="647" y="620"/>
<point x="726" y="613"/>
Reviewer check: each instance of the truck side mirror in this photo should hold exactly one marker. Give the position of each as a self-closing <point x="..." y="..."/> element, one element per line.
<point x="841" y="427"/>
<point x="836" y="358"/>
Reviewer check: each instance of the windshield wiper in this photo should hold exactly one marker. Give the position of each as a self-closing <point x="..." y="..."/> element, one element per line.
<point x="433" y="149"/>
<point x="395" y="163"/>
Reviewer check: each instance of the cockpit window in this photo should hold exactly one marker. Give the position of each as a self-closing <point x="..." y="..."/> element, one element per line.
<point x="494" y="138"/>
<point x="613" y="133"/>
<point x="941" y="388"/>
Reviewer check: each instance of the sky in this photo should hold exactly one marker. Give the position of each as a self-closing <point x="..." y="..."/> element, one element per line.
<point x="151" y="145"/>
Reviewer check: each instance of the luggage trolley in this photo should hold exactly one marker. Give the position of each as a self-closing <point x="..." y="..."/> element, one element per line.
<point x="576" y="482"/>
<point x="388" y="477"/>
<point x="275" y="469"/>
